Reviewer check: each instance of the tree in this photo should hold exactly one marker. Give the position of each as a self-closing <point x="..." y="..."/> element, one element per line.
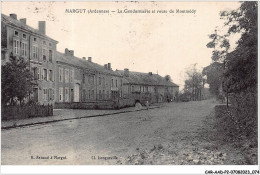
<point x="194" y="82"/>
<point x="214" y="73"/>
<point x="241" y="72"/>
<point x="17" y="81"/>
<point x="239" y="76"/>
<point x="168" y="78"/>
<point x="240" y="65"/>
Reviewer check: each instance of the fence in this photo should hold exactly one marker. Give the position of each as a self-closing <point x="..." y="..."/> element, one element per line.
<point x="27" y="111"/>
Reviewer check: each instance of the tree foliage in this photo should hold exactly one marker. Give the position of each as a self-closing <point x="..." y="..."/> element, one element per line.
<point x="168" y="78"/>
<point x="240" y="65"/>
<point x="17" y="81"/>
<point x="214" y="73"/>
<point x="194" y="82"/>
<point x="241" y="72"/>
<point x="239" y="75"/>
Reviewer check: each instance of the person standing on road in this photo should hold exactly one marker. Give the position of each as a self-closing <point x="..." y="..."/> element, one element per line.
<point x="147" y="105"/>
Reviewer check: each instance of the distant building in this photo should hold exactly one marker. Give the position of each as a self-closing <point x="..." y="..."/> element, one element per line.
<point x="21" y="40"/>
<point x="148" y="83"/>
<point x="81" y="80"/>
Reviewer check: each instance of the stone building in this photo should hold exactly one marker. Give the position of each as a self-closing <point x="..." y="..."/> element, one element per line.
<point x="64" y="78"/>
<point x="157" y="88"/>
<point x="19" y="39"/>
<point x="81" y="80"/>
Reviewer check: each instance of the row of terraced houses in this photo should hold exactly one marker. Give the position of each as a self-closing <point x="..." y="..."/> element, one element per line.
<point x="63" y="78"/>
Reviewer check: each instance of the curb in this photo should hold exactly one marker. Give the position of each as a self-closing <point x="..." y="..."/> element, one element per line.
<point x="52" y="121"/>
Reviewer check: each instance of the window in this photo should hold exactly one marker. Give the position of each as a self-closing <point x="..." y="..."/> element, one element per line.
<point x="91" y="79"/>
<point x="66" y="94"/>
<point x="50" y="44"/>
<point x="112" y="83"/>
<point x="50" y="56"/>
<point x="122" y="83"/>
<point x="51" y="94"/>
<point x="103" y="95"/>
<point x="92" y="94"/>
<point x="100" y="94"/>
<point x="24" y="49"/>
<point x="35" y="52"/>
<point x="38" y="73"/>
<point x="103" y="80"/>
<point x="35" y="72"/>
<point x="16" y="47"/>
<point x="66" y="76"/>
<point x="60" y="74"/>
<point x="34" y="39"/>
<point x="45" y="94"/>
<point x="83" y="79"/>
<point x="61" y="94"/>
<point x="133" y="89"/>
<point x="45" y="74"/>
<point x="71" y="76"/>
<point x="16" y="33"/>
<point x="89" y="96"/>
<point x="44" y="42"/>
<point x="99" y="80"/>
<point x="44" y="54"/>
<point x="84" y="95"/>
<point x="107" y="94"/>
<point x="51" y="77"/>
<point x="116" y="83"/>
<point x="24" y="36"/>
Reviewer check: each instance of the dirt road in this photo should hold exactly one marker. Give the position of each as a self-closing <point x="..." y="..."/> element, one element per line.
<point x="177" y="133"/>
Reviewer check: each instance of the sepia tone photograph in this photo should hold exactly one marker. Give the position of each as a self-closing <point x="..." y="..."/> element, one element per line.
<point x="129" y="83"/>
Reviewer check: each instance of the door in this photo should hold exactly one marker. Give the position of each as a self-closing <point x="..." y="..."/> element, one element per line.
<point x="35" y="94"/>
<point x="76" y="93"/>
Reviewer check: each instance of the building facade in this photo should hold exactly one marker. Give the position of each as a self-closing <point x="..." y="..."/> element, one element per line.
<point x="64" y="78"/>
<point x="81" y="80"/>
<point x="148" y="86"/>
<point x="20" y="40"/>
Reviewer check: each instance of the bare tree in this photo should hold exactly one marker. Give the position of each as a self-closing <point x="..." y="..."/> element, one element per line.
<point x="194" y="82"/>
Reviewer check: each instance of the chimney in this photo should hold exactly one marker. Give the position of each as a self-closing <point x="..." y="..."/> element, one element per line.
<point x="90" y="59"/>
<point x="69" y="52"/>
<point x="42" y="27"/>
<point x="23" y="20"/>
<point x="105" y="66"/>
<point x="109" y="66"/>
<point x="66" y="51"/>
<point x="150" y="73"/>
<point x="84" y="58"/>
<point x="126" y="72"/>
<point x="13" y="15"/>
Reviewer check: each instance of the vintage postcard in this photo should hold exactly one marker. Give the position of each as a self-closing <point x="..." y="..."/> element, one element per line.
<point x="130" y="83"/>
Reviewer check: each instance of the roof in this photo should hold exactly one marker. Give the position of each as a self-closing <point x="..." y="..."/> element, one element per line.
<point x="13" y="22"/>
<point x="146" y="79"/>
<point x="85" y="64"/>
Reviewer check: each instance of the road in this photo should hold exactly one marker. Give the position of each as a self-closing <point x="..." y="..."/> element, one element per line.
<point x="172" y="134"/>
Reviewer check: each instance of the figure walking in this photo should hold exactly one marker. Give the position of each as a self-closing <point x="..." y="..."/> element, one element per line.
<point x="147" y="105"/>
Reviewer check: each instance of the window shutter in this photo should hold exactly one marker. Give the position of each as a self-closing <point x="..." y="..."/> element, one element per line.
<point x="53" y="75"/>
<point x="41" y="73"/>
<point x="53" y="96"/>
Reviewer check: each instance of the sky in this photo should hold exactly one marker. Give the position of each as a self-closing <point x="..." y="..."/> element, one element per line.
<point x="163" y="43"/>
